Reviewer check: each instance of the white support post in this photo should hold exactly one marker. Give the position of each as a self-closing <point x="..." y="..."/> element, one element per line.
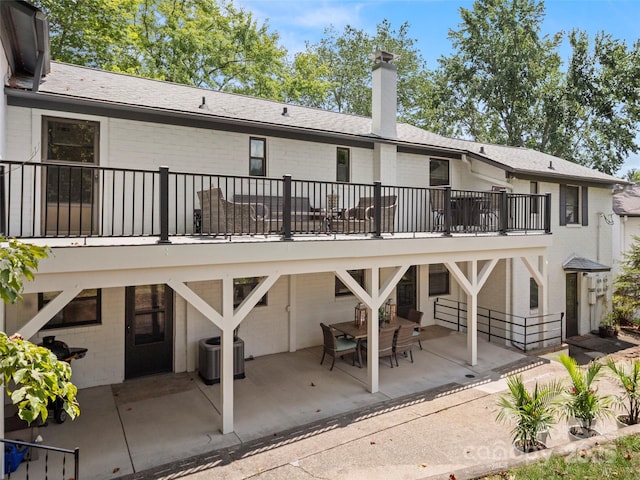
<point x="291" y="311"/>
<point x="372" y="333"/>
<point x="226" y="370"/>
<point x="472" y="315"/>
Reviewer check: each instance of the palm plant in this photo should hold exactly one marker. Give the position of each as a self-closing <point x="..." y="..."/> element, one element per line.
<point x="533" y="412"/>
<point x="582" y="400"/>
<point x="628" y="377"/>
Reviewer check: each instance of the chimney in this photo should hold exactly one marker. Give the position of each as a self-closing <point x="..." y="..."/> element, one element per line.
<point x="384" y="95"/>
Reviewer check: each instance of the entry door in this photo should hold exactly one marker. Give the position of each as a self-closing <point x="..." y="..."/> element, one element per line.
<point x="407" y="292"/>
<point x="571" y="310"/>
<point x="149" y="330"/>
<point x="69" y="177"/>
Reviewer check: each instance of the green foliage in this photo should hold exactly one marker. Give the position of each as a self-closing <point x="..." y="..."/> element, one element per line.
<point x="33" y="377"/>
<point x="504" y="84"/>
<point x="626" y="285"/>
<point x="533" y="412"/>
<point x="628" y="377"/>
<point x="582" y="399"/>
<point x="17" y="262"/>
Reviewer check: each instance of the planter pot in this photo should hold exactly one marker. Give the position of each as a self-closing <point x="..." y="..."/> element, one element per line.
<point x="543" y="436"/>
<point x="623" y="421"/>
<point x="577" y="432"/>
<point x="534" y="448"/>
<point x="605" y="332"/>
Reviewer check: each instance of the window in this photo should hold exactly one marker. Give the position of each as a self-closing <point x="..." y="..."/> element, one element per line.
<point x="242" y="287"/>
<point x="438" y="173"/>
<point x="82" y="310"/>
<point x="438" y="279"/>
<point x="533" y="294"/>
<point x="342" y="165"/>
<point x="341" y="288"/>
<point x="571" y="204"/>
<point x="574" y="205"/>
<point x="257" y="157"/>
<point x="533" y="190"/>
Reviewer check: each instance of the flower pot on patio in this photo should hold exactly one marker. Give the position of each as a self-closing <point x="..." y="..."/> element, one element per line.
<point x="577" y="432"/>
<point x="623" y="421"/>
<point x="535" y="447"/>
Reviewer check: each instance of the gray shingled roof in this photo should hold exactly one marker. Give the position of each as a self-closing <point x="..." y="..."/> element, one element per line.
<point x="83" y="83"/>
<point x="627" y="202"/>
<point x="581" y="264"/>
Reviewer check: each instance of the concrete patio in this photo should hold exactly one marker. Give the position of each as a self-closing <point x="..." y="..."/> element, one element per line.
<point x="141" y="424"/>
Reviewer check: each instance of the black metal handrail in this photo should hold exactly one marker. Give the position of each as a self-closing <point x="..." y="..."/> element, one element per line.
<point x="59" y="461"/>
<point x="51" y="200"/>
<point x="525" y="333"/>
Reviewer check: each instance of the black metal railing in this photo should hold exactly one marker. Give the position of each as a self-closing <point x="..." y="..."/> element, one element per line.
<point x="25" y="460"/>
<point x="525" y="333"/>
<point x="49" y="200"/>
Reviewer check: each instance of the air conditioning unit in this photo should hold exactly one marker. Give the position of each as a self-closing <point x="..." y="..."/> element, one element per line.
<point x="209" y="359"/>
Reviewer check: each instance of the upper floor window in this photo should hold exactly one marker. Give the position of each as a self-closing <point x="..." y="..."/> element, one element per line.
<point x="258" y="157"/>
<point x="70" y="141"/>
<point x="438" y="173"/>
<point x="343" y="165"/>
<point x="342" y="289"/>
<point x="82" y="310"/>
<point x="438" y="279"/>
<point x="574" y="205"/>
<point x="533" y="294"/>
<point x="242" y="287"/>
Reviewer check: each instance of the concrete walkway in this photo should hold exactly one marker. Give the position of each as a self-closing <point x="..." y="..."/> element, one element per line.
<point x="447" y="430"/>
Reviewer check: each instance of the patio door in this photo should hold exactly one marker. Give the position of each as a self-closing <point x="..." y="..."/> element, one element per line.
<point x="571" y="310"/>
<point x="407" y="292"/>
<point x="148" y="330"/>
<point x="69" y="179"/>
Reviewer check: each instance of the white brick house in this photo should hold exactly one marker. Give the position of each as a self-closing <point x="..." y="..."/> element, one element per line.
<point x="81" y="152"/>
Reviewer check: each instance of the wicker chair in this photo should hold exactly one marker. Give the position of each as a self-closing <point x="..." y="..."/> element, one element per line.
<point x="386" y="337"/>
<point x="404" y="342"/>
<point x="336" y="346"/>
<point x="418" y="332"/>
<point x="220" y="216"/>
<point x="360" y="219"/>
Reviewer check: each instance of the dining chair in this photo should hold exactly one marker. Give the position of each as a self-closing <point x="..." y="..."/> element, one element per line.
<point x="404" y="342"/>
<point x="337" y="346"/>
<point x="416" y="316"/>
<point x="386" y="337"/>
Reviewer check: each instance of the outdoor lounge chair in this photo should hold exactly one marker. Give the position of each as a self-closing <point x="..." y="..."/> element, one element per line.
<point x="361" y="218"/>
<point x="336" y="346"/>
<point x="220" y="216"/>
<point x="418" y="332"/>
<point x="404" y="342"/>
<point x="386" y="337"/>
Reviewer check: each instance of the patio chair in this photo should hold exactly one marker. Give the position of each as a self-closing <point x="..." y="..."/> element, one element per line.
<point x="361" y="218"/>
<point x="222" y="216"/>
<point x="404" y="342"/>
<point x="337" y="346"/>
<point x="386" y="337"/>
<point x="436" y="203"/>
<point x="418" y="332"/>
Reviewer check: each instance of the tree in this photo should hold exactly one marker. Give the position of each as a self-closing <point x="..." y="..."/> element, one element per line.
<point x="626" y="285"/>
<point x="346" y="55"/>
<point x="633" y="175"/>
<point x="205" y="43"/>
<point x="504" y="84"/>
<point x="32" y="375"/>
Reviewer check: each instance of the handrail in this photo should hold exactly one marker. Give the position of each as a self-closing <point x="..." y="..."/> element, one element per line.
<point x="61" y="200"/>
<point x="525" y="333"/>
<point x="47" y="448"/>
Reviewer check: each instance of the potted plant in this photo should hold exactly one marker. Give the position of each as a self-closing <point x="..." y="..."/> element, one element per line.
<point x="533" y="412"/>
<point x="628" y="377"/>
<point x="582" y="400"/>
<point x="609" y="326"/>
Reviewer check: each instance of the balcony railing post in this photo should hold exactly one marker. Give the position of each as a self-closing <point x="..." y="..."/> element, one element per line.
<point x="547" y="212"/>
<point x="447" y="212"/>
<point x="504" y="212"/>
<point x="164" y="205"/>
<point x="377" y="209"/>
<point x="3" y="206"/>
<point x="286" y="208"/>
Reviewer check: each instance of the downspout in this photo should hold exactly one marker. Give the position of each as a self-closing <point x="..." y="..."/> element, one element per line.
<point x="486" y="178"/>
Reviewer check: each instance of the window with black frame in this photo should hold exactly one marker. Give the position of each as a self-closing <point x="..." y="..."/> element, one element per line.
<point x="84" y="309"/>
<point x="342" y="290"/>
<point x="533" y="294"/>
<point x="438" y="173"/>
<point x="242" y="287"/>
<point x="572" y="204"/>
<point x="257" y="157"/>
<point x="343" y="165"/>
<point x="438" y="279"/>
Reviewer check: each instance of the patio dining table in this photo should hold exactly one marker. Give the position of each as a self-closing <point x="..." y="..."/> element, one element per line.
<point x="360" y="333"/>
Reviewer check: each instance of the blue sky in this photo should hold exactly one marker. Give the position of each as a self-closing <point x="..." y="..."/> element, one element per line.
<point x="299" y="21"/>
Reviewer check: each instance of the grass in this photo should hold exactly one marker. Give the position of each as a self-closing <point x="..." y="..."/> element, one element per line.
<point x="619" y="459"/>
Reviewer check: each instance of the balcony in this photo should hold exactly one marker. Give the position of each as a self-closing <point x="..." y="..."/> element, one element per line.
<point x="54" y="201"/>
